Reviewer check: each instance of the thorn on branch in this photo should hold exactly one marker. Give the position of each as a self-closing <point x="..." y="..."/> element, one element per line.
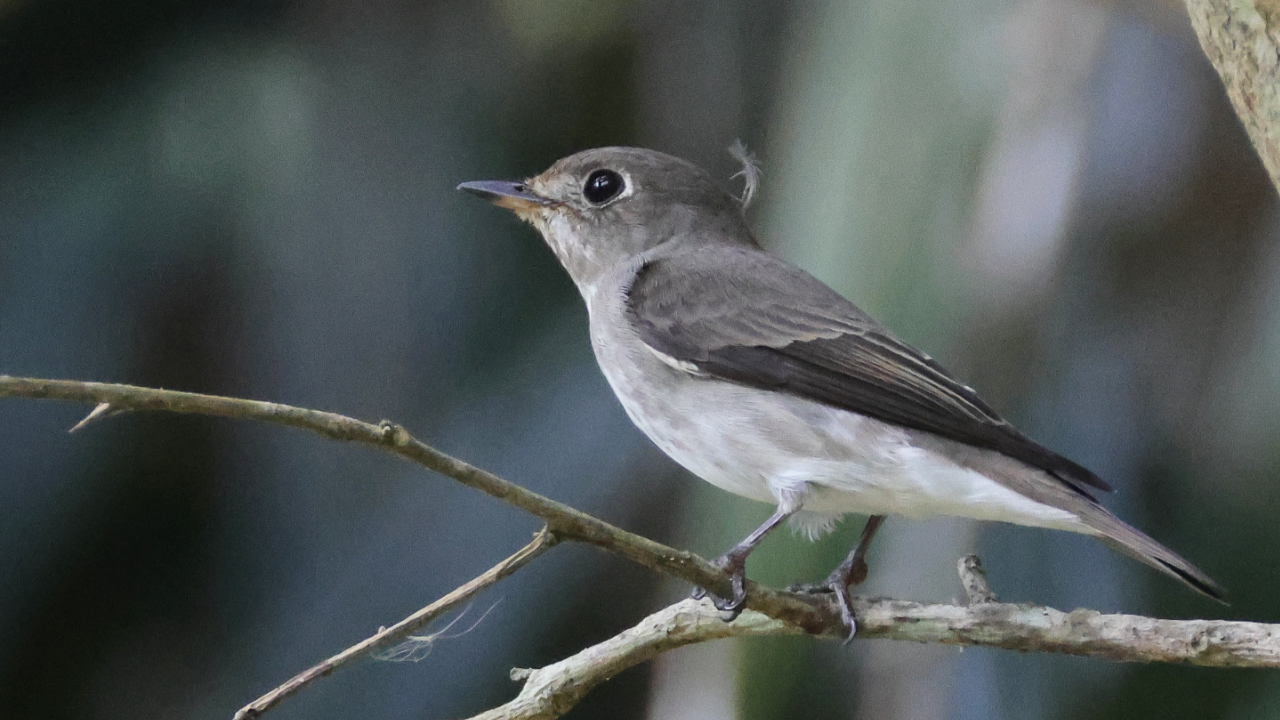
<point x="974" y="580"/>
<point x="101" y="412"/>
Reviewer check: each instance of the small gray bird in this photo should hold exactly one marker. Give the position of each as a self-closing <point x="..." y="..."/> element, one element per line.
<point x="763" y="381"/>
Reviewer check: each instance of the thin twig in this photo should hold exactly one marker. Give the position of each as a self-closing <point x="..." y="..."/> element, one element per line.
<point x="388" y="637"/>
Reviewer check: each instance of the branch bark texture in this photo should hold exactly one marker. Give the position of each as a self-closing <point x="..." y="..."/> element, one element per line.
<point x="1241" y="38"/>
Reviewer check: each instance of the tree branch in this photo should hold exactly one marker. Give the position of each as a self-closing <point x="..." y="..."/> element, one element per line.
<point x="566" y="523"/>
<point x="1241" y="38"/>
<point x="552" y="690"/>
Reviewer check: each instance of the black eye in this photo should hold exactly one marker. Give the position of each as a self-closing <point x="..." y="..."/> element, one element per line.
<point x="602" y="186"/>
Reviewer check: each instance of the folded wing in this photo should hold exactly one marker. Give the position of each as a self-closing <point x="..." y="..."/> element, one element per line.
<point x="742" y="315"/>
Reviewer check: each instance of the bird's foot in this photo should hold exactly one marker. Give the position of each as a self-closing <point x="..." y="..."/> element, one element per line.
<point x="851" y="572"/>
<point x="736" y="566"/>
<point x="838" y="584"/>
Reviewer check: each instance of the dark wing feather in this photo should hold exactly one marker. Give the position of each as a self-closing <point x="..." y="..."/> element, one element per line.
<point x="745" y="316"/>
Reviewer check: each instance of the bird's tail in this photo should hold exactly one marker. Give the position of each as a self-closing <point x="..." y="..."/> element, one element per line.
<point x="1131" y="541"/>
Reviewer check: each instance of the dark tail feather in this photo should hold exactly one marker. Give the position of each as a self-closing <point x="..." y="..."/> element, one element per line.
<point x="1132" y="542"/>
<point x="1198" y="580"/>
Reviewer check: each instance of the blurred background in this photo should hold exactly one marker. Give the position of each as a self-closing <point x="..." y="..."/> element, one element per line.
<point x="1053" y="197"/>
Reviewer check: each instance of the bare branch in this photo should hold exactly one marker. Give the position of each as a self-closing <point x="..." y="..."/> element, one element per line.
<point x="1120" y="638"/>
<point x="815" y="615"/>
<point x="387" y="637"/>
<point x="551" y="691"/>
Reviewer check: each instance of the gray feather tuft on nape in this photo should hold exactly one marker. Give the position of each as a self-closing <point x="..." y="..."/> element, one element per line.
<point x="750" y="172"/>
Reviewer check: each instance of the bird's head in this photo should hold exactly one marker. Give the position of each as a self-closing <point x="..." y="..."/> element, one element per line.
<point x="606" y="206"/>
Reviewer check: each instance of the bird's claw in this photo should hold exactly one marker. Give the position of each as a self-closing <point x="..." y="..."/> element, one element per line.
<point x="733" y="606"/>
<point x="845" y="602"/>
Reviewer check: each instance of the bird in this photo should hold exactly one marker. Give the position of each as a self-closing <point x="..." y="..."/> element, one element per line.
<point x="763" y="381"/>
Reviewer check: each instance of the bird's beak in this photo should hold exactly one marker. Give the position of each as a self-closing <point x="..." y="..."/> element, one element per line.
<point x="510" y="195"/>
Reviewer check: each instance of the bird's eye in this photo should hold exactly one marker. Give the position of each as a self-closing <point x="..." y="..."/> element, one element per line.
<point x="602" y="186"/>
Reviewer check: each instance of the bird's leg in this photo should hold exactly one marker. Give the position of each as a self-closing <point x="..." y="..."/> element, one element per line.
<point x="734" y="562"/>
<point x="852" y="572"/>
<point x="854" y="568"/>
